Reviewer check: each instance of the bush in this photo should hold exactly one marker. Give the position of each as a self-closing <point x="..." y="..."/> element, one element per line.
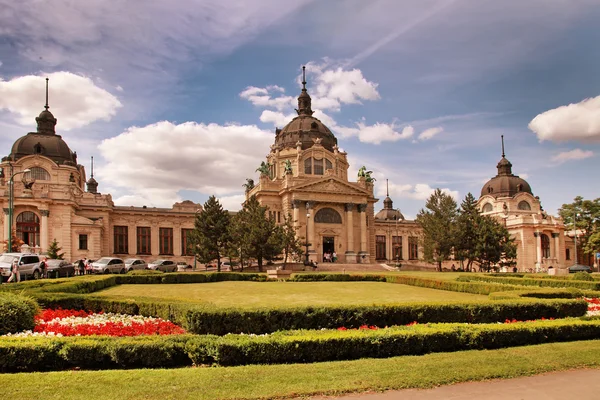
<point x="17" y="313"/>
<point x="540" y="282"/>
<point x="582" y="276"/>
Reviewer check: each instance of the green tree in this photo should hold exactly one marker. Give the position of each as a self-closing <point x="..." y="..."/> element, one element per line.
<point x="291" y="243"/>
<point x="211" y="232"/>
<point x="438" y="221"/>
<point x="584" y="217"/>
<point x="494" y="244"/>
<point x="258" y="235"/>
<point x="54" y="251"/>
<point x="467" y="231"/>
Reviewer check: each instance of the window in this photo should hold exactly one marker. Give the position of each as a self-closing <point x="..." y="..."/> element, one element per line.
<point x="318" y="167"/>
<point x="165" y="236"/>
<point x="380" y="247"/>
<point x="568" y="254"/>
<point x="328" y="164"/>
<point x="523" y="205"/>
<point x="37" y="174"/>
<point x="187" y="248"/>
<point x="308" y="166"/>
<point x="143" y="240"/>
<point x="121" y="240"/>
<point x="487" y="207"/>
<point x="545" y="246"/>
<point x="28" y="228"/>
<point x="328" y="216"/>
<point x="83" y="242"/>
<point x="413" y="248"/>
<point x="397" y="247"/>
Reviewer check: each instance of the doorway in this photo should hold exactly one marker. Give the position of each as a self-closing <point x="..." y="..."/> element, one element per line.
<point x="328" y="248"/>
<point x="28" y="228"/>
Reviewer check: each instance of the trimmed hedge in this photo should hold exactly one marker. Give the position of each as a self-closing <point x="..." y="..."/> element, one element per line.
<point x="568" y="293"/>
<point x="337" y="278"/>
<point x="17" y="313"/>
<point x="43" y="354"/>
<point x="224" y="321"/>
<point x="534" y="282"/>
<point x="454" y="286"/>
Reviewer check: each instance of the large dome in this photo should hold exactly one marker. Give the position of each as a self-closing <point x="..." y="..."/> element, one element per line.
<point x="304" y="128"/>
<point x="505" y="184"/>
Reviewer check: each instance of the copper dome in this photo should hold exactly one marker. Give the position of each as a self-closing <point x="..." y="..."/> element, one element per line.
<point x="505" y="184"/>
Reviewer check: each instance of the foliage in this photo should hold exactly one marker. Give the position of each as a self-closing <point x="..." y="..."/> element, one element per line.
<point x="257" y="234"/>
<point x="584" y="216"/>
<point x="54" y="251"/>
<point x="494" y="244"/>
<point x="16" y="243"/>
<point x="582" y="276"/>
<point x="467" y="231"/>
<point x="526" y="281"/>
<point x="17" y="313"/>
<point x="291" y="243"/>
<point x="211" y="233"/>
<point x="438" y="221"/>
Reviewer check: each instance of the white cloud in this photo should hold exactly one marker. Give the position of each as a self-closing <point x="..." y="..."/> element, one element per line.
<point x="232" y="203"/>
<point x="579" y="122"/>
<point x="262" y="97"/>
<point x="576" y="154"/>
<point x="431" y="132"/>
<point x="156" y="161"/>
<point x="74" y="100"/>
<point x="420" y="191"/>
<point x="277" y="118"/>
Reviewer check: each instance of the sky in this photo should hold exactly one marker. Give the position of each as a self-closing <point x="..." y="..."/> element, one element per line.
<point x="180" y="100"/>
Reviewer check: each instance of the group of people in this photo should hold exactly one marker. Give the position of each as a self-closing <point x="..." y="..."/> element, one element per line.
<point x="329" y="257"/>
<point x="15" y="274"/>
<point x="83" y="267"/>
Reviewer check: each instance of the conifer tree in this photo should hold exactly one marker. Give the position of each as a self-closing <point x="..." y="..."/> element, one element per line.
<point x="54" y="251"/>
<point x="211" y="232"/>
<point x="467" y="231"/>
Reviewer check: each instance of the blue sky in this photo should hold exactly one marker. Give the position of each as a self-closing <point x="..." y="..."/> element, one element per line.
<point x="180" y="100"/>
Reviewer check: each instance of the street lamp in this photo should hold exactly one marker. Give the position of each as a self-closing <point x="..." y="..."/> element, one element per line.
<point x="11" y="200"/>
<point x="307" y="217"/>
<point x="195" y="244"/>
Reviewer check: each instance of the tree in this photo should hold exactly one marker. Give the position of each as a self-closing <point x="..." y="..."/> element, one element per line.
<point x="257" y="232"/>
<point x="467" y="231"/>
<point x="439" y="227"/>
<point x="211" y="233"/>
<point x="291" y="243"/>
<point x="494" y="244"/>
<point x="583" y="216"/>
<point x="54" y="251"/>
<point x="16" y="243"/>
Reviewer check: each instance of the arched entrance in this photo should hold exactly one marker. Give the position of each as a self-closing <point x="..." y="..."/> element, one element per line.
<point x="28" y="228"/>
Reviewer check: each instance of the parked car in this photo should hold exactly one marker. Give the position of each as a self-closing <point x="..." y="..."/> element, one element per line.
<point x="59" y="269"/>
<point x="106" y="265"/>
<point x="29" y="265"/>
<point x="132" y="264"/>
<point x="579" y="268"/>
<point x="182" y="266"/>
<point x="163" y="265"/>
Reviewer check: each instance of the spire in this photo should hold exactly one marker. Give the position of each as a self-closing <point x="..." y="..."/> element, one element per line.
<point x="387" y="203"/>
<point x="387" y="188"/>
<point x="504" y="166"/>
<point x="502" y="137"/>
<point x="46" y="122"/>
<point x="304" y="101"/>
<point x="92" y="185"/>
<point x="47" y="106"/>
<point x="92" y="166"/>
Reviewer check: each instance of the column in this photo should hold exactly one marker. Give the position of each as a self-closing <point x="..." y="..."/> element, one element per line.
<point x="177" y="240"/>
<point x="363" y="253"/>
<point x="131" y="239"/>
<point x="350" y="254"/>
<point x="44" y="230"/>
<point x="556" y="237"/>
<point x="6" y="225"/>
<point x="296" y="213"/>
<point x="310" y="226"/>
<point x="405" y="246"/>
<point x="538" y="250"/>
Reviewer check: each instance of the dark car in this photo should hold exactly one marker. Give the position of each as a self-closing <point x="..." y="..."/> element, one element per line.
<point x="60" y="269"/>
<point x="579" y="268"/>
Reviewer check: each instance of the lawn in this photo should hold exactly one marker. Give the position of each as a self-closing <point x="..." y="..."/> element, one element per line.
<point x="301" y="380"/>
<point x="263" y="294"/>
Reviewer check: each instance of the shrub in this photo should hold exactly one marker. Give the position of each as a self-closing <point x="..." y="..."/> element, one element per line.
<point x="17" y="313"/>
<point x="582" y="276"/>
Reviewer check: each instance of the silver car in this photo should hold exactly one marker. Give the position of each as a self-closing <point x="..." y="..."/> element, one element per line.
<point x="106" y="265"/>
<point x="163" y="265"/>
<point x="132" y="264"/>
<point x="29" y="265"/>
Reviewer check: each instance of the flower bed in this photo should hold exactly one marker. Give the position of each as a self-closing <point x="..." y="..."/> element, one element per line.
<point x="593" y="305"/>
<point x="61" y="322"/>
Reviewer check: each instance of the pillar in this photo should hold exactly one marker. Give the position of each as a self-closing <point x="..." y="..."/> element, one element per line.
<point x="405" y="247"/>
<point x="44" y="230"/>
<point x="350" y="254"/>
<point x="538" y="250"/>
<point x="363" y="253"/>
<point x="131" y="239"/>
<point x="310" y="223"/>
<point x="556" y="237"/>
<point x="296" y="214"/>
<point x="177" y="240"/>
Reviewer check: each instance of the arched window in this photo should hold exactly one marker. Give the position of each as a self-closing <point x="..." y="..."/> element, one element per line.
<point x="37" y="174"/>
<point x="487" y="207"/>
<point x="328" y="216"/>
<point x="523" y="205"/>
<point x="545" y="246"/>
<point x="28" y="228"/>
<point x="316" y="167"/>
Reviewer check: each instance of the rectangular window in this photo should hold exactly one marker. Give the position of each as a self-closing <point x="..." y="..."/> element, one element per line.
<point x="278" y="217"/>
<point x="397" y="246"/>
<point x="308" y="166"/>
<point x="121" y="239"/>
<point x="413" y="248"/>
<point x="568" y="255"/>
<point x="165" y="236"/>
<point x="380" y="247"/>
<point x="83" y="242"/>
<point x="143" y="240"/>
<point x="318" y="166"/>
<point x="186" y="245"/>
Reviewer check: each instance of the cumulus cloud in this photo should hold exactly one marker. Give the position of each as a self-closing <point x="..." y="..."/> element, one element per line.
<point x="429" y="133"/>
<point x="376" y="133"/>
<point x="156" y="161"/>
<point x="75" y="100"/>
<point x="578" y="122"/>
<point x="262" y="97"/>
<point x="419" y="191"/>
<point x="277" y="118"/>
<point x="576" y="154"/>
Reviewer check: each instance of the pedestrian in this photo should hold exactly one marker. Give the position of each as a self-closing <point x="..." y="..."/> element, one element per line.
<point x="334" y="257"/>
<point x="81" y="267"/>
<point x="44" y="267"/>
<point x="14" y="272"/>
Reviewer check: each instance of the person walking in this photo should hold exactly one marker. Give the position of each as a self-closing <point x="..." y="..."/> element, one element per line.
<point x="44" y="267"/>
<point x="14" y="272"/>
<point x="81" y="267"/>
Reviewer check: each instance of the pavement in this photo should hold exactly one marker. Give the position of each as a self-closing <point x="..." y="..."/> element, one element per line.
<point x="582" y="384"/>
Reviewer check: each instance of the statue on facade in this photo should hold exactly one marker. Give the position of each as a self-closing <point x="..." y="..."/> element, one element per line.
<point x="363" y="173"/>
<point x="264" y="169"/>
<point x="249" y="185"/>
<point x="287" y="167"/>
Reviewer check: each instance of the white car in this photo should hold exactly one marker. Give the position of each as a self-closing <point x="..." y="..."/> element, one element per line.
<point x="132" y="264"/>
<point x="163" y="265"/>
<point x="29" y="265"/>
<point x="106" y="265"/>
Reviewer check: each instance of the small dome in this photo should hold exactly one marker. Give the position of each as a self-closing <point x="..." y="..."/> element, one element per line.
<point x="305" y="128"/>
<point x="388" y="214"/>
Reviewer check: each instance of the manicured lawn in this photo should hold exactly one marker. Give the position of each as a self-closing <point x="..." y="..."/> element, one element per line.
<point x="297" y="380"/>
<point x="261" y="294"/>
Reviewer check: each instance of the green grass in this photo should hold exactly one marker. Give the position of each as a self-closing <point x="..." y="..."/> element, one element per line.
<point x="261" y="382"/>
<point x="263" y="294"/>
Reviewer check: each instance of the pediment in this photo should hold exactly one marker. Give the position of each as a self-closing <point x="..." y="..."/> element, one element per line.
<point x="331" y="185"/>
<point x="79" y="220"/>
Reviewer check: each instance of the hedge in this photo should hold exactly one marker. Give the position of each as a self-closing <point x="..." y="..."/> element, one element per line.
<point x="17" y="313"/>
<point x="43" y="354"/>
<point x="533" y="282"/>
<point x="454" y="286"/>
